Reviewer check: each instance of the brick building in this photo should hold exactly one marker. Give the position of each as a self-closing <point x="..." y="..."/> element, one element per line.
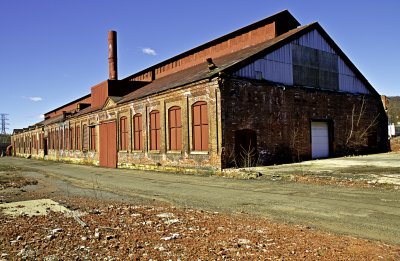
<point x="270" y="92"/>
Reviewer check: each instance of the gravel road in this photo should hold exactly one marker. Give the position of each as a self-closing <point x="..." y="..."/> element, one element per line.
<point x="367" y="213"/>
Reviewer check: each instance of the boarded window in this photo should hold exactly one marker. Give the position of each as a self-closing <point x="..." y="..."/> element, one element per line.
<point x="200" y="126"/>
<point x="175" y="128"/>
<point x="52" y="140"/>
<point x="315" y="68"/>
<point x="61" y="139"/>
<point x="71" y="138"/>
<point x="155" y="130"/>
<point x="78" y="137"/>
<point x="85" y="138"/>
<point x="57" y="140"/>
<point x="92" y="138"/>
<point x="137" y="132"/>
<point x="40" y="141"/>
<point x="67" y="139"/>
<point x="123" y="137"/>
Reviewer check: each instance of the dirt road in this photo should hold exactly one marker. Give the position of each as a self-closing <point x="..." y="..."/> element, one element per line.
<point x="367" y="213"/>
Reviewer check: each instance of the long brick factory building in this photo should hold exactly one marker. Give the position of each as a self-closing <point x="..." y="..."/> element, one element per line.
<point x="270" y="92"/>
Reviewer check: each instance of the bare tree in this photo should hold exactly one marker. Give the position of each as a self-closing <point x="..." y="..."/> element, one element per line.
<point x="248" y="156"/>
<point x="294" y="143"/>
<point x="357" y="133"/>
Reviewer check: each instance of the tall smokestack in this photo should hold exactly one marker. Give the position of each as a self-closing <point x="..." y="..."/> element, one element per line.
<point x="112" y="56"/>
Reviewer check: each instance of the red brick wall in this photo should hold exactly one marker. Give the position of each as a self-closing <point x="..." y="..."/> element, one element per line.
<point x="258" y="35"/>
<point x="281" y="118"/>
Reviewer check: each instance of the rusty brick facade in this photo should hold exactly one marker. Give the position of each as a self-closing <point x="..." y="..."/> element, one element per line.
<point x="281" y="117"/>
<point x="242" y="101"/>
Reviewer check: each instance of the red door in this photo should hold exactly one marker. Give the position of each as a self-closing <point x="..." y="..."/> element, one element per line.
<point x="108" y="144"/>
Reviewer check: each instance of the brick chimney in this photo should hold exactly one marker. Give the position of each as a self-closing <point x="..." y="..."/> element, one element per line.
<point x="112" y="56"/>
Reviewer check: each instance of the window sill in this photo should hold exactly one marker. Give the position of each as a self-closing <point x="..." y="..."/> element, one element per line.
<point x="137" y="151"/>
<point x="174" y="152"/>
<point x="123" y="151"/>
<point x="199" y="152"/>
<point x="154" y="151"/>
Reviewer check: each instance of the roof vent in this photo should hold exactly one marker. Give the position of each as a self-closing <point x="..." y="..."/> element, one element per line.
<point x="211" y="64"/>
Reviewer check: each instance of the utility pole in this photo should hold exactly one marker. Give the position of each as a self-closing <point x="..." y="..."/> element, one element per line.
<point x="3" y="123"/>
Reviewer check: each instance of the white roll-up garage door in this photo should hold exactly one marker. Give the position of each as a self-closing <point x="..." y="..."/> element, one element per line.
<point x="319" y="140"/>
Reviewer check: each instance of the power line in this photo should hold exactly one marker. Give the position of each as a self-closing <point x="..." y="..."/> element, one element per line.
<point x="3" y="123"/>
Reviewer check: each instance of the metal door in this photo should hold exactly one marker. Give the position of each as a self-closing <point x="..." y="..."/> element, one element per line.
<point x="108" y="144"/>
<point x="319" y="140"/>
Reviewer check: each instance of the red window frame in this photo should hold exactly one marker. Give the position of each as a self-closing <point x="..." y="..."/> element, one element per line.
<point x="137" y="132"/>
<point x="200" y="126"/>
<point x="175" y="128"/>
<point x="155" y="130"/>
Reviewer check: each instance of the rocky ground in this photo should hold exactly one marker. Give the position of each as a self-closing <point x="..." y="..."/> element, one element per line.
<point x="9" y="178"/>
<point x="157" y="231"/>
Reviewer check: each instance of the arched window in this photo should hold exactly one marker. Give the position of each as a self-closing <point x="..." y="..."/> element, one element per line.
<point x="200" y="126"/>
<point x="137" y="132"/>
<point x="175" y="128"/>
<point x="123" y="136"/>
<point x="155" y="130"/>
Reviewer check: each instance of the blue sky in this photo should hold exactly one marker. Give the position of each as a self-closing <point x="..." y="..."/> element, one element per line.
<point x="52" y="52"/>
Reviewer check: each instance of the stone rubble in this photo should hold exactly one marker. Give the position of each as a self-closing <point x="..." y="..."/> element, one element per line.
<point x="120" y="231"/>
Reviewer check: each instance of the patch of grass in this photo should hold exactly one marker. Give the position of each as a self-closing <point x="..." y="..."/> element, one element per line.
<point x="4" y="167"/>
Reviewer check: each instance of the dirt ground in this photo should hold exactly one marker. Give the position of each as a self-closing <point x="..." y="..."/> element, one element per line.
<point x="143" y="228"/>
<point x="395" y="144"/>
<point x="371" y="171"/>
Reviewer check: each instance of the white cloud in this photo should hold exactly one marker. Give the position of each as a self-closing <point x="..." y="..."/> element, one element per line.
<point x="35" y="98"/>
<point x="149" y="51"/>
<point x="41" y="116"/>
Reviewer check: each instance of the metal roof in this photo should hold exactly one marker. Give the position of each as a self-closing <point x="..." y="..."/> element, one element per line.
<point x="234" y="61"/>
<point x="201" y="71"/>
<point x="283" y="15"/>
